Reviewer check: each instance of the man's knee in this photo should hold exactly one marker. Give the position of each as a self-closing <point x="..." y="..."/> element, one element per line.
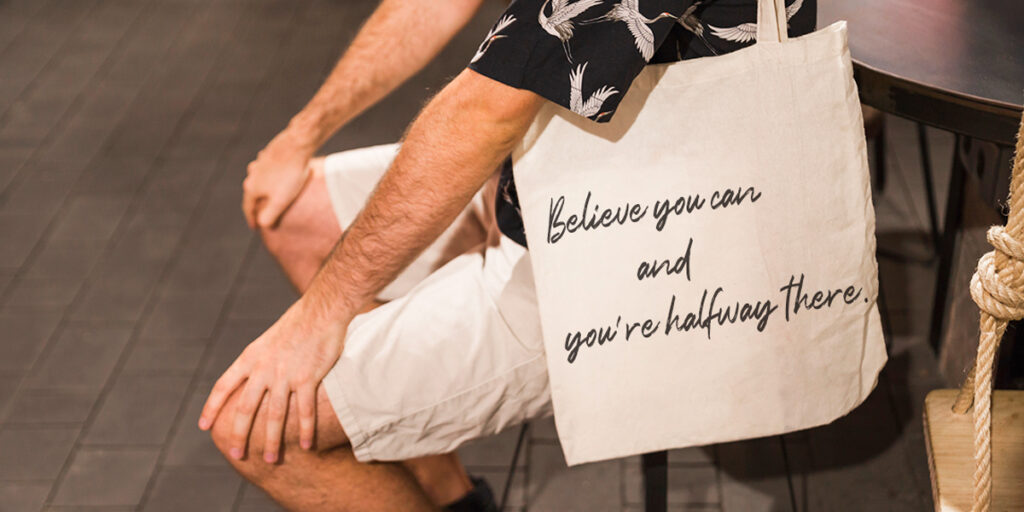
<point x="328" y="434"/>
<point x="306" y="232"/>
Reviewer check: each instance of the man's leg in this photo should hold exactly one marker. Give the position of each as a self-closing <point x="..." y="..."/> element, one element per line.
<point x="303" y="238"/>
<point x="325" y="478"/>
<point x="306" y="233"/>
<point x="308" y="230"/>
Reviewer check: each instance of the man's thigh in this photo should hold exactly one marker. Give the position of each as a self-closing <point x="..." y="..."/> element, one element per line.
<point x="457" y="357"/>
<point x="339" y="186"/>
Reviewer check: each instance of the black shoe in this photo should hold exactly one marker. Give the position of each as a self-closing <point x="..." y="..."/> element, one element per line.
<point x="479" y="499"/>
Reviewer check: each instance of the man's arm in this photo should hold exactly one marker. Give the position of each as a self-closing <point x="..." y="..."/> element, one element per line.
<point x="397" y="41"/>
<point x="451" y="149"/>
<point x="455" y="145"/>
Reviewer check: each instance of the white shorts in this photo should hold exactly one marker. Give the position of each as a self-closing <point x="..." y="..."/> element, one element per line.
<point x="456" y="354"/>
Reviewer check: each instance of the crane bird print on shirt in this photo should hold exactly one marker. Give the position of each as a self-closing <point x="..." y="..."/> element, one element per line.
<point x="492" y="36"/>
<point x="628" y="11"/>
<point x="747" y="32"/>
<point x="692" y="23"/>
<point x="559" y="23"/>
<point x="592" y="106"/>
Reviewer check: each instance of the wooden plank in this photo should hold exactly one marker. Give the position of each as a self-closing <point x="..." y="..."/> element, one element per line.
<point x="950" y="441"/>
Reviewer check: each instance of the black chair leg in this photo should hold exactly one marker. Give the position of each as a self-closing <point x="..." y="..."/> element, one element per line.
<point x="655" y="473"/>
<point x="951" y="226"/>
<point x="929" y="188"/>
<point x="880" y="166"/>
<point x="883" y="313"/>
<point x="512" y="466"/>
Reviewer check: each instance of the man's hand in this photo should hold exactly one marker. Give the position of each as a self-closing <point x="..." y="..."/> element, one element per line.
<point x="376" y="63"/>
<point x="293" y="356"/>
<point x="275" y="179"/>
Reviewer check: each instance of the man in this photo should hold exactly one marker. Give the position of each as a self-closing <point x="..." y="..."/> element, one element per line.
<point x="457" y="353"/>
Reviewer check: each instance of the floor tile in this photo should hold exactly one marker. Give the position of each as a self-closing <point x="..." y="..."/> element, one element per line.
<point x="194" y="490"/>
<point x="101" y="476"/>
<point x="190" y="446"/>
<point x="8" y="386"/>
<point x="25" y="336"/>
<point x="165" y="356"/>
<point x="111" y="301"/>
<point x="236" y="335"/>
<point x="20" y="233"/>
<point x="91" y="217"/>
<point x="697" y="485"/>
<point x="43" y="292"/>
<point x="83" y="357"/>
<point x="211" y="267"/>
<point x="66" y="258"/>
<point x="52" y="406"/>
<point x="256" y="301"/>
<point x="184" y="315"/>
<point x="553" y="486"/>
<point x="493" y="451"/>
<point x="34" y="453"/>
<point x="138" y="410"/>
<point x="42" y="190"/>
<point x="17" y="496"/>
<point x="255" y="500"/>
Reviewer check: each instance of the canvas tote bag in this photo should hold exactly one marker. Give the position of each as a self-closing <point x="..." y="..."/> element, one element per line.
<point x="705" y="262"/>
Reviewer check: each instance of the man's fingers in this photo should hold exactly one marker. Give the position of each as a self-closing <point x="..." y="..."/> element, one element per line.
<point x="306" y="396"/>
<point x="249" y="209"/>
<point x="245" y="411"/>
<point x="250" y="202"/>
<point x="276" y="407"/>
<point x="272" y="210"/>
<point x="225" y="385"/>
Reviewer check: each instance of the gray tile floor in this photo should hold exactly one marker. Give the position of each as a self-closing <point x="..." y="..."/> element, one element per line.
<point x="128" y="280"/>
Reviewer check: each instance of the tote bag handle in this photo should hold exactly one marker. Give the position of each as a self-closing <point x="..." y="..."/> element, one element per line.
<point x="772" y="24"/>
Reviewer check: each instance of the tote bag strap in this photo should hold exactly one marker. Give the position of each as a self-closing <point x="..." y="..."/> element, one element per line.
<point x="772" y="25"/>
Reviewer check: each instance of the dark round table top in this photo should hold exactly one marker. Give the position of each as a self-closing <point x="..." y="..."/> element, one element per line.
<point x="953" y="64"/>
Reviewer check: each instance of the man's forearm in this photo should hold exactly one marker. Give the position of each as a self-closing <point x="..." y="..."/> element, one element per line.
<point x="451" y="149"/>
<point x="398" y="40"/>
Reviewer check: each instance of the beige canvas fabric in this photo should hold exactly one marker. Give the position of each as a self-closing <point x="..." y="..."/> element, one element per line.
<point x="705" y="262"/>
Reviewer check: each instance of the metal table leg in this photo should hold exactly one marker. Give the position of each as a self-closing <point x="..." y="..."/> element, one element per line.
<point x="947" y="245"/>
<point x="655" y="471"/>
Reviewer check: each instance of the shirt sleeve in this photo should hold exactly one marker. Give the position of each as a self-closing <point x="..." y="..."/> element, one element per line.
<point x="580" y="54"/>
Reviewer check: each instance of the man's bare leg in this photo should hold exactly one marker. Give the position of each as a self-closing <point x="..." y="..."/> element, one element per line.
<point x="306" y="232"/>
<point x="302" y="239"/>
<point x="328" y="477"/>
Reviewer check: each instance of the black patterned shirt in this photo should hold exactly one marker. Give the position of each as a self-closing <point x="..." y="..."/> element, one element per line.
<point x="584" y="54"/>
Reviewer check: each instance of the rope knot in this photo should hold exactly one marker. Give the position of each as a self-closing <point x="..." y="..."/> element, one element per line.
<point x="997" y="288"/>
